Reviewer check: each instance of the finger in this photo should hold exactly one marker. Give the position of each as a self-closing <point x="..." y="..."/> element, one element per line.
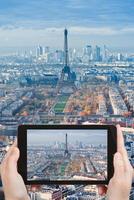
<point x="15" y="143"/>
<point x="120" y="139"/>
<point x="10" y="149"/>
<point x="118" y="165"/>
<point x="10" y="163"/>
<point x="102" y="189"/>
<point x="121" y="147"/>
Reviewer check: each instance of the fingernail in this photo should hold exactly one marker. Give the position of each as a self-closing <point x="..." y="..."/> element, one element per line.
<point x="118" y="155"/>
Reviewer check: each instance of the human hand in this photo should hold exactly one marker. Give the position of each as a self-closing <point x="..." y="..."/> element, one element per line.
<point x="13" y="185"/>
<point x="120" y="185"/>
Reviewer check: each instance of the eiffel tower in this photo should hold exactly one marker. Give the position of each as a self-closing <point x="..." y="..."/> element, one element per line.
<point x="67" y="79"/>
<point x="66" y="147"/>
<point x="67" y="154"/>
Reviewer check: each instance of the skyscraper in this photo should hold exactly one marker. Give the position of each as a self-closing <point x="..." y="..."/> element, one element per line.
<point x="88" y="50"/>
<point x="47" y="49"/>
<point x="97" y="53"/>
<point x="39" y="51"/>
<point x="87" y="54"/>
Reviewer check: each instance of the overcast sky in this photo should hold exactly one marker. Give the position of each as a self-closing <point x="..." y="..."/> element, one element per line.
<point x="94" y="137"/>
<point x="31" y="22"/>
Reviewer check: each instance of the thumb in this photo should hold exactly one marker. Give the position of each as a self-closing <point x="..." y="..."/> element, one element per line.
<point x="11" y="160"/>
<point x="118" y="165"/>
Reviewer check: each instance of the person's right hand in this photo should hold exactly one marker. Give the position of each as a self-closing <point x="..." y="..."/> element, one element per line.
<point x="120" y="185"/>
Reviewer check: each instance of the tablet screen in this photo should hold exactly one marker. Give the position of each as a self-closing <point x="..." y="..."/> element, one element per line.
<point x="67" y="154"/>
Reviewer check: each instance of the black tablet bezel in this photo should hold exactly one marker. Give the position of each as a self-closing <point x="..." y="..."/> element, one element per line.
<point x="22" y="145"/>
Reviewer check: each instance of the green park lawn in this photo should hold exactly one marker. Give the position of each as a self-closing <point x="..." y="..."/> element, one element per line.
<point x="59" y="107"/>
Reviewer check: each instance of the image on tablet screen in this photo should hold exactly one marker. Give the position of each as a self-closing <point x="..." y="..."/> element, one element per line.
<point x="66" y="154"/>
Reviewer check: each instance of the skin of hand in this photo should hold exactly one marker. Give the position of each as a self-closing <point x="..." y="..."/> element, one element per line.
<point x="13" y="185"/>
<point x="120" y="184"/>
<point x="118" y="188"/>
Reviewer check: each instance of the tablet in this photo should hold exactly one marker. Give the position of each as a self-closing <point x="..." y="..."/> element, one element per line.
<point x="66" y="154"/>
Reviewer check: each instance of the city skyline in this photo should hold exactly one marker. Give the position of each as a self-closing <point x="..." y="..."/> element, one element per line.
<point x="89" y="22"/>
<point x="90" y="86"/>
<point x="37" y="137"/>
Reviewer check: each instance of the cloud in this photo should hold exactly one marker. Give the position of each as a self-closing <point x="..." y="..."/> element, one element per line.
<point x="93" y="31"/>
<point x="128" y="30"/>
<point x="42" y="21"/>
<point x="74" y="30"/>
<point x="78" y="35"/>
<point x="78" y="4"/>
<point x="81" y="30"/>
<point x="46" y="13"/>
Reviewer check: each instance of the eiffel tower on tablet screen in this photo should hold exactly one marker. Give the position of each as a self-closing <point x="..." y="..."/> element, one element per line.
<point x="66" y="83"/>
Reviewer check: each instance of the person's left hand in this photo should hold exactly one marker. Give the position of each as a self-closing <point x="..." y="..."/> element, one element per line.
<point x="13" y="185"/>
